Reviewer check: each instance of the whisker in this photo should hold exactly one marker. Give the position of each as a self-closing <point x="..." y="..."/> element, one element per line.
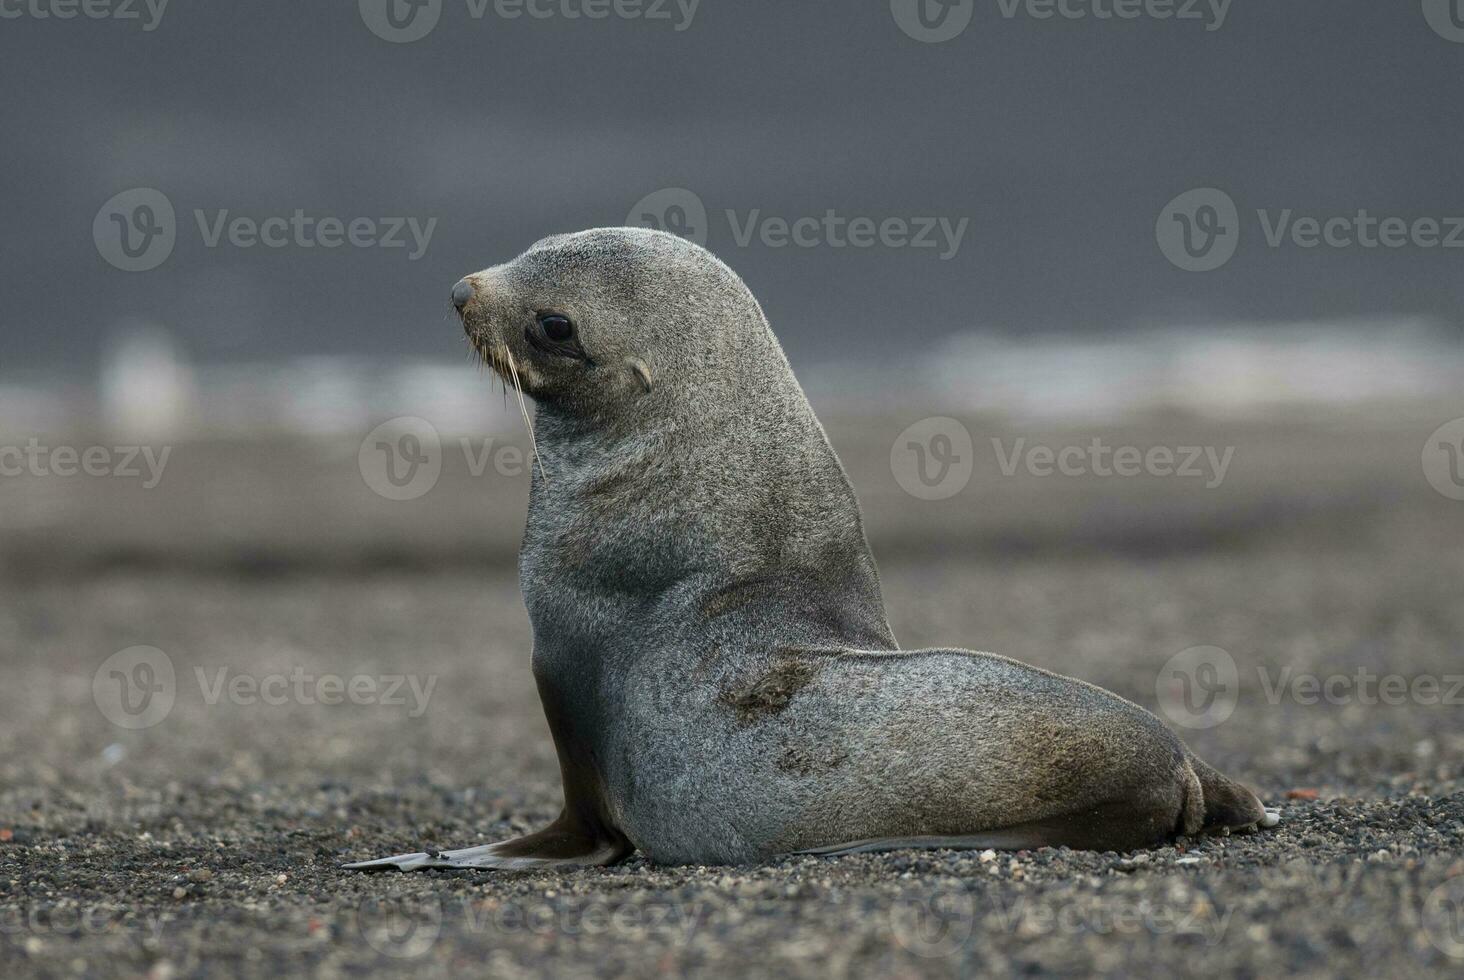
<point x="519" y="390"/>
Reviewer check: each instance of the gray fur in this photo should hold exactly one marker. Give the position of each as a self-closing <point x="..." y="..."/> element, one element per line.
<point x="710" y="640"/>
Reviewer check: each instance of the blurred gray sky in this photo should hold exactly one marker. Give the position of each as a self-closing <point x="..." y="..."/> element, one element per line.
<point x="1060" y="140"/>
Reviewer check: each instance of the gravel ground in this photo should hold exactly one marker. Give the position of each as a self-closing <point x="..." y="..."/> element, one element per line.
<point x="208" y="843"/>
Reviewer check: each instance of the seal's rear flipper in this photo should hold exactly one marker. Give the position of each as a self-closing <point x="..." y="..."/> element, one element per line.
<point x="1028" y="837"/>
<point x="1129" y="825"/>
<point x="1216" y="804"/>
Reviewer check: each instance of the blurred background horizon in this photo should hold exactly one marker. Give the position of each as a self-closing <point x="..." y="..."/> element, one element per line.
<point x="1042" y="151"/>
<point x="147" y="387"/>
<point x="1237" y="226"/>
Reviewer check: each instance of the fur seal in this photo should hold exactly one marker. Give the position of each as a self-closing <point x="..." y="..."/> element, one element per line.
<point x="710" y="641"/>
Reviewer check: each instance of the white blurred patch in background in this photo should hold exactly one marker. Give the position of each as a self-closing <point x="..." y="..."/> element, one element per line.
<point x="1225" y="371"/>
<point x="148" y="389"/>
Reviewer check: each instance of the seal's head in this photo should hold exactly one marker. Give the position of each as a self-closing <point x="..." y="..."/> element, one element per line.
<point x="599" y="319"/>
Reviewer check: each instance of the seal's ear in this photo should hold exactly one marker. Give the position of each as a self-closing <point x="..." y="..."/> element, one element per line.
<point x="641" y="371"/>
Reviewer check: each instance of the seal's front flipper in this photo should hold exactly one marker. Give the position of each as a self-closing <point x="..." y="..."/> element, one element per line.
<point x="564" y="843"/>
<point x="400" y="862"/>
<point x="487" y="856"/>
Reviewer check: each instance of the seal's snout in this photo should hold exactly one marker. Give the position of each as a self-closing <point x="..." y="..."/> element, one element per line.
<point x="462" y="293"/>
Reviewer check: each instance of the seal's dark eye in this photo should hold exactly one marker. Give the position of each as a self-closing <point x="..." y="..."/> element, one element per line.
<point x="557" y="328"/>
<point x="554" y="334"/>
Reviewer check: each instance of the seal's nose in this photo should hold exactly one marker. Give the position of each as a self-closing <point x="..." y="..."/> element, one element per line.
<point x="461" y="293"/>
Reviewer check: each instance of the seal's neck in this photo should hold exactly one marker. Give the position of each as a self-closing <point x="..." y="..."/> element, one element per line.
<point x="698" y="490"/>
